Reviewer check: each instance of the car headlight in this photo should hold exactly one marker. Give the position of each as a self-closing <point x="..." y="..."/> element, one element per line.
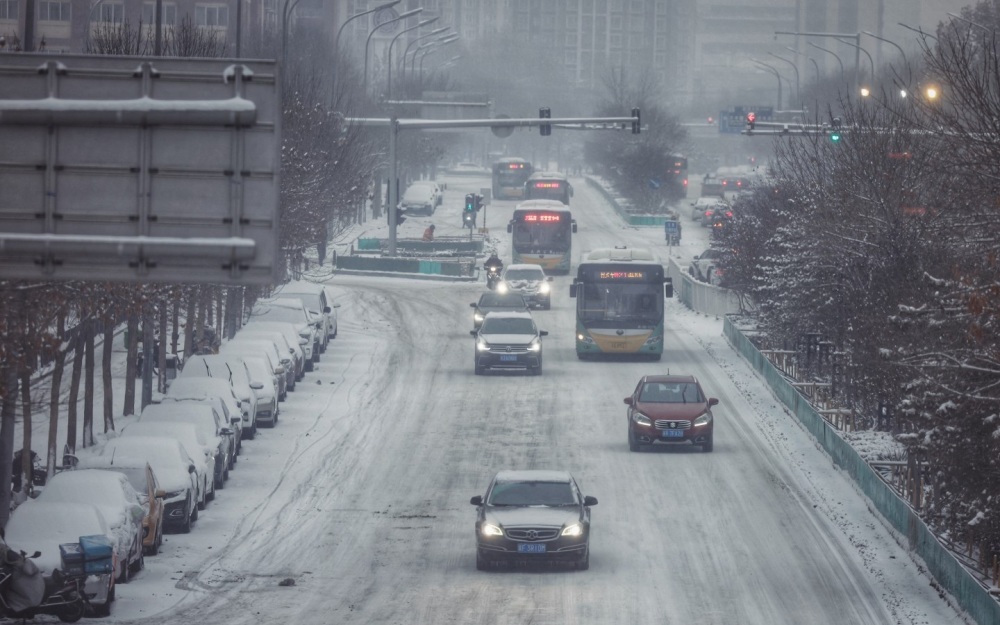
<point x="583" y="338"/>
<point x="502" y="287"/>
<point x="478" y="317"/>
<point x="704" y="419"/>
<point x="573" y="530"/>
<point x="482" y="345"/>
<point x="489" y="529"/>
<point x="641" y="419"/>
<point x="535" y="345"/>
<point x="544" y="288"/>
<point x="654" y="339"/>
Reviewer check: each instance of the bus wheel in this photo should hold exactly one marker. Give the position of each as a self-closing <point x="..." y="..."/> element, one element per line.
<point x="655" y="357"/>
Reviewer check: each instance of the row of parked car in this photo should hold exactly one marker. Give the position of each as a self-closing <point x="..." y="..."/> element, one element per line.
<point x="160" y="471"/>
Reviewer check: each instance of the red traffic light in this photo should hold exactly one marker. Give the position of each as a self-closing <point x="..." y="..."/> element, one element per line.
<point x="751" y="117"/>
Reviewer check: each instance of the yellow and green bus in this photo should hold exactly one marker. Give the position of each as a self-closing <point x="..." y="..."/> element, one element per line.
<point x="542" y="235"/>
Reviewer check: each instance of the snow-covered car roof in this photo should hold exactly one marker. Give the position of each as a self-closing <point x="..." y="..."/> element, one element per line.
<point x="43" y="526"/>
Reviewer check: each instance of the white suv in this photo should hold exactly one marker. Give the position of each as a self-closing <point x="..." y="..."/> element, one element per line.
<point x="318" y="302"/>
<point x="530" y="281"/>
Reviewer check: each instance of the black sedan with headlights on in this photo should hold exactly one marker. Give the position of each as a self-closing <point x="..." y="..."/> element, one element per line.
<point x="533" y="517"/>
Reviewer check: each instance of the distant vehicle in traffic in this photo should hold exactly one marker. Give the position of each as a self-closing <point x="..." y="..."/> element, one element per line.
<point x="495" y="302"/>
<point x="542" y="232"/>
<point x="548" y="185"/>
<point x="530" y="282"/>
<point x="669" y="409"/>
<point x="702" y="205"/>
<point x="508" y="341"/>
<point x="533" y="517"/>
<point x="509" y="176"/>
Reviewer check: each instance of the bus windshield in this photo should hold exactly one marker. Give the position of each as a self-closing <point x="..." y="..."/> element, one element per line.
<point x="542" y="236"/>
<point x="616" y="302"/>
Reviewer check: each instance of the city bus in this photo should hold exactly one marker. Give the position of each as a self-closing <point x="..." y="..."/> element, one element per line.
<point x="548" y="185"/>
<point x="619" y="303"/>
<point x="509" y="176"/>
<point x="677" y="176"/>
<point x="542" y="232"/>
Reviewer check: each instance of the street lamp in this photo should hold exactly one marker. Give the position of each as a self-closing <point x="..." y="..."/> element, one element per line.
<point x="892" y="43"/>
<point x="434" y="48"/>
<point x="401" y="16"/>
<point x="796" y="68"/>
<point x="406" y="51"/>
<point x="774" y="70"/>
<point x="871" y="63"/>
<point x="336" y="40"/>
<point x="424" y="46"/>
<point x="815" y="64"/>
<point x="286" y="12"/>
<point x="389" y="63"/>
<point x="842" y="78"/>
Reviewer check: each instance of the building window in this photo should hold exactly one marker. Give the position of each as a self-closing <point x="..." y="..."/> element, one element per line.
<point x="168" y="15"/>
<point x="8" y="9"/>
<point x="211" y="15"/>
<point x="111" y="13"/>
<point x="616" y="22"/>
<point x="49" y="11"/>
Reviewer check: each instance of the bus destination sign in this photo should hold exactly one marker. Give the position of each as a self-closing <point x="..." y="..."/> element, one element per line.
<point x="622" y="275"/>
<point x="542" y="217"/>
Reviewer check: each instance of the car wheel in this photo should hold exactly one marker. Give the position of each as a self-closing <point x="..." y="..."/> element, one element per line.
<point x="189" y="518"/>
<point x="479" y="370"/>
<point x="73" y="612"/>
<point x="482" y="564"/>
<point x="547" y="305"/>
<point x="707" y="446"/>
<point x="655" y="357"/>
<point x="633" y="444"/>
<point x="251" y="432"/>
<point x="126" y="575"/>
<point x="584" y="563"/>
<point x="140" y="562"/>
<point x="582" y="356"/>
<point x="537" y="370"/>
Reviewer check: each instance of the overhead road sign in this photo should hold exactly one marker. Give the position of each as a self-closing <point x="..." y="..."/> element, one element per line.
<point x="139" y="169"/>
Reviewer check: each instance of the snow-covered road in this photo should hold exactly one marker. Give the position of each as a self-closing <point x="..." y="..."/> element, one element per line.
<point x="360" y="496"/>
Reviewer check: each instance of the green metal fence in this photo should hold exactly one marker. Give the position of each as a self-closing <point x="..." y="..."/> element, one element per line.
<point x="941" y="563"/>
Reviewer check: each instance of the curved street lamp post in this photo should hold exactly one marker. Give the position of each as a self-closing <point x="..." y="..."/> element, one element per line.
<point x="434" y="48"/>
<point x="389" y="62"/>
<point x="401" y="16"/>
<point x="796" y="68"/>
<point x="401" y="67"/>
<point x="773" y="70"/>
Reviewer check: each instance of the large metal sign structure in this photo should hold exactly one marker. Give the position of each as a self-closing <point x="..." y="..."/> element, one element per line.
<point x="139" y="169"/>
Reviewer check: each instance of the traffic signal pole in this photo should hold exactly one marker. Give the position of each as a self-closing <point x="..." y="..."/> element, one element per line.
<point x="396" y="125"/>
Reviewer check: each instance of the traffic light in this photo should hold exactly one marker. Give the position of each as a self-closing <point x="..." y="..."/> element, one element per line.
<point x="479" y="202"/>
<point x="835" y="124"/>
<point x="470" y="203"/>
<point x="545" y="113"/>
<point x="636" y="124"/>
<point x="751" y="120"/>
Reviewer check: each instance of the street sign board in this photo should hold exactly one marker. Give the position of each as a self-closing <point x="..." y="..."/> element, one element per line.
<point x="139" y="169"/>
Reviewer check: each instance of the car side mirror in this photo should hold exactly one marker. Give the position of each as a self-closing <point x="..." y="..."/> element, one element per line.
<point x="543" y="333"/>
<point x="235" y="419"/>
<point x="191" y="468"/>
<point x="280" y="370"/>
<point x="160" y="493"/>
<point x="510" y="228"/>
<point x="572" y="290"/>
<point x="712" y="401"/>
<point x="549" y="278"/>
<point x="225" y="432"/>
<point x="629" y="401"/>
<point x="256" y="386"/>
<point x="336" y="305"/>
<point x="477" y="500"/>
<point x="327" y="310"/>
<point x="473" y="305"/>
<point x="589" y="501"/>
<point x="473" y="332"/>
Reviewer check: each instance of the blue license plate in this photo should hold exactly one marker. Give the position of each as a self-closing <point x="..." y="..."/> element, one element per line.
<point x="673" y="433"/>
<point x="531" y="548"/>
<point x="508" y="357"/>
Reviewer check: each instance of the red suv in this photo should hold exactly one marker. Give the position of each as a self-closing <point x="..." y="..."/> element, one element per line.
<point x="669" y="409"/>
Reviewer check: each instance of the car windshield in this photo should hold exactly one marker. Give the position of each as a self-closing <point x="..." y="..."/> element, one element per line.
<point x="508" y="325"/>
<point x="279" y="313"/>
<point x="671" y="393"/>
<point x="498" y="300"/>
<point x="532" y="494"/>
<point x="523" y="274"/>
<point x="136" y="477"/>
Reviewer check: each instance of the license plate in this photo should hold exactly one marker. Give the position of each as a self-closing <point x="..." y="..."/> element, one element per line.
<point x="673" y="433"/>
<point x="531" y="548"/>
<point x="508" y="357"/>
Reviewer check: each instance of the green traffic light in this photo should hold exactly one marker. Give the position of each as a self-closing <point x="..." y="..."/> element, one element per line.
<point x="835" y="137"/>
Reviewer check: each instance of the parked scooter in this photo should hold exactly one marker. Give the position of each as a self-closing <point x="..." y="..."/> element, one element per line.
<point x="25" y="592"/>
